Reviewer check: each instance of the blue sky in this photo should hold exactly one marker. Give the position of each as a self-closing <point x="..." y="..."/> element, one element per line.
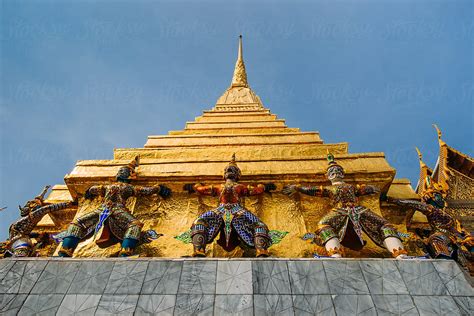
<point x="80" y="78"/>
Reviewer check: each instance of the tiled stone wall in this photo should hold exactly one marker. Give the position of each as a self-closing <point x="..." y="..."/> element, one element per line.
<point x="243" y="287"/>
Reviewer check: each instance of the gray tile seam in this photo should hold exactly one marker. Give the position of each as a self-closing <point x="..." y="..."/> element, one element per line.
<point x="453" y="278"/>
<point x="144" y="276"/>
<point x="136" y="304"/>
<point x="97" y="306"/>
<point x="366" y="279"/>
<point x="459" y="306"/>
<point x="64" y="295"/>
<point x="329" y="287"/>
<point x="289" y="278"/>
<point x="28" y="295"/>
<point x="159" y="279"/>
<point x="34" y="284"/>
<point x="108" y="279"/>
<point x="413" y="301"/>
<point x="179" y="283"/>
<point x="7" y="270"/>
<point x="433" y="272"/>
<point x="345" y="269"/>
<point x="215" y="282"/>
<point x="403" y="281"/>
<point x="20" y="280"/>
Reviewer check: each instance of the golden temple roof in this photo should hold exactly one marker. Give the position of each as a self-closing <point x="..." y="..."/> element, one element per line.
<point x="451" y="159"/>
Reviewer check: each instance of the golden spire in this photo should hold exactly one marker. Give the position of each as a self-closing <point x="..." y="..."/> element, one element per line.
<point x="240" y="75"/>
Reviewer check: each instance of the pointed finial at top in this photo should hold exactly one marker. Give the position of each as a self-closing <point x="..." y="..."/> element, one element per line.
<point x="420" y="159"/>
<point x="240" y="54"/>
<point x="240" y="75"/>
<point x="440" y="141"/>
<point x="420" y="156"/>
<point x="437" y="130"/>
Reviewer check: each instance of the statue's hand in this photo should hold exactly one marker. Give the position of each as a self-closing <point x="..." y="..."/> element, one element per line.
<point x="88" y="195"/>
<point x="164" y="191"/>
<point x="189" y="187"/>
<point x="290" y="189"/>
<point x="270" y="187"/>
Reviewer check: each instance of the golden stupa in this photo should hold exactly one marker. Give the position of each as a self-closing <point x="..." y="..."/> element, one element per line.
<point x="267" y="151"/>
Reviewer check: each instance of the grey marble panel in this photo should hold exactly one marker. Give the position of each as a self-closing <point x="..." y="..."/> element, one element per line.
<point x="308" y="277"/>
<point x="156" y="304"/>
<point x="354" y="305"/>
<point x="270" y="277"/>
<point x="37" y="304"/>
<point x="272" y="304"/>
<point x="391" y="305"/>
<point x="453" y="278"/>
<point x="117" y="304"/>
<point x="465" y="304"/>
<point x="22" y="276"/>
<point x="79" y="304"/>
<point x="345" y="277"/>
<point x="198" y="277"/>
<point x="91" y="278"/>
<point x="127" y="277"/>
<point x="10" y="304"/>
<point x="56" y="278"/>
<point x="383" y="277"/>
<point x="194" y="304"/>
<point x="162" y="277"/>
<point x="313" y="305"/>
<point x="436" y="305"/>
<point x="421" y="278"/>
<point x="237" y="304"/>
<point x="234" y="277"/>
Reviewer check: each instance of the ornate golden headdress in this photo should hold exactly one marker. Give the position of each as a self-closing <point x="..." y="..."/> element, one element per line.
<point x="128" y="172"/>
<point x="132" y="165"/>
<point x="233" y="165"/>
<point x="331" y="161"/>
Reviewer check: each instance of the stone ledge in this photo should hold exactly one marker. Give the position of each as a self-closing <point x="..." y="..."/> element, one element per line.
<point x="185" y="286"/>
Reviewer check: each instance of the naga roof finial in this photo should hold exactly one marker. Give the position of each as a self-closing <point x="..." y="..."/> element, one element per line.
<point x="420" y="157"/>
<point x="441" y="142"/>
<point x="438" y="131"/>
<point x="443" y="172"/>
<point x="240" y="75"/>
<point x="424" y="170"/>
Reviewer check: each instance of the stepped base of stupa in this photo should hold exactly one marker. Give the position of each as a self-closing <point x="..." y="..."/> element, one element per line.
<point x="187" y="286"/>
